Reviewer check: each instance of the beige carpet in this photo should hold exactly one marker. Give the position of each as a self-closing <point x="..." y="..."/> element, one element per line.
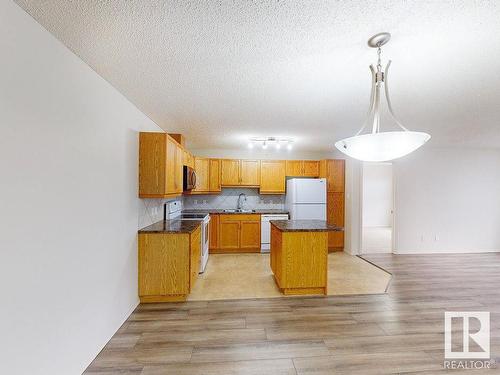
<point x="240" y="276"/>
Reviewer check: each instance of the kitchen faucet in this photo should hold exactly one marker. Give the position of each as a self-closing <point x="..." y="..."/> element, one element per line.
<point x="239" y="206"/>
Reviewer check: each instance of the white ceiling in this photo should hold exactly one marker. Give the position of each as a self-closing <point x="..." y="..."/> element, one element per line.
<point x="223" y="71"/>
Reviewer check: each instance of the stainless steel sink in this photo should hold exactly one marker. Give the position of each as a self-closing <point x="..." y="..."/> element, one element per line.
<point x="238" y="210"/>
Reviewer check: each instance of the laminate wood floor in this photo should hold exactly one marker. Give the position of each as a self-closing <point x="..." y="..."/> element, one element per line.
<point x="397" y="332"/>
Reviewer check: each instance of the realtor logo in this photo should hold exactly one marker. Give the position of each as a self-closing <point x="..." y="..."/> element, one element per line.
<point x="475" y="329"/>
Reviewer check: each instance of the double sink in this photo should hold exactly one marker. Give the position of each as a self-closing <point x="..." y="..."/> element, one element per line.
<point x="238" y="210"/>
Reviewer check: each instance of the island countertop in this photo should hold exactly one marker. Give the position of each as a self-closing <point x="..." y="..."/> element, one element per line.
<point x="305" y="226"/>
<point x="172" y="226"/>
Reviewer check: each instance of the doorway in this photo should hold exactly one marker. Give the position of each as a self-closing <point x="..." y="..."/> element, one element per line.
<point x="377" y="213"/>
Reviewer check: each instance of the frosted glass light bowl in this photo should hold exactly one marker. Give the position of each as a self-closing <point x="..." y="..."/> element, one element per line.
<point x="382" y="146"/>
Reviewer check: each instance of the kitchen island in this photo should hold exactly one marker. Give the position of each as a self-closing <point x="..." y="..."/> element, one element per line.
<point x="299" y="255"/>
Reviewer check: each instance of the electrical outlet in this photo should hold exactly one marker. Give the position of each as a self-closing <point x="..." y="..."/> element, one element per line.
<point x="436" y="237"/>
<point x="422" y="238"/>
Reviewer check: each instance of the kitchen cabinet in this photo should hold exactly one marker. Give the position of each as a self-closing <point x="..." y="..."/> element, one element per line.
<point x="188" y="159"/>
<point x="272" y="176"/>
<point x="250" y="234"/>
<point x="302" y="168"/>
<point x="299" y="261"/>
<point x="207" y="176"/>
<point x="201" y="167"/>
<point x="239" y="233"/>
<point x="334" y="172"/>
<point x="213" y="228"/>
<point x="230" y="172"/>
<point x="160" y="166"/>
<point x="311" y="168"/>
<point x="229" y="233"/>
<point x="240" y="172"/>
<point x="168" y="265"/>
<point x="214" y="183"/>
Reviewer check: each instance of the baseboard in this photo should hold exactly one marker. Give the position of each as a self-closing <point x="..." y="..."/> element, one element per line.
<point x="444" y="251"/>
<point x="233" y="251"/>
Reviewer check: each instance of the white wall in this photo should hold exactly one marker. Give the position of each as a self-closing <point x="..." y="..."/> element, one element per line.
<point x="448" y="200"/>
<point x="68" y="206"/>
<point x="377" y="195"/>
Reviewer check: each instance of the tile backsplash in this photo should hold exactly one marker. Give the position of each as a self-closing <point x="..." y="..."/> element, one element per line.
<point x="228" y="198"/>
<point x="151" y="210"/>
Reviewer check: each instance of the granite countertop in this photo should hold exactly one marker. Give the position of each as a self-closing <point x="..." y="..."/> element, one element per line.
<point x="172" y="226"/>
<point x="305" y="226"/>
<point x="261" y="211"/>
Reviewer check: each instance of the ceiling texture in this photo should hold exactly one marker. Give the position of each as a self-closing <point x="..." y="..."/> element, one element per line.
<point x="223" y="71"/>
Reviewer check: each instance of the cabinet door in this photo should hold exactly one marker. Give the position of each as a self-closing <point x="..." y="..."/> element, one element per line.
<point x="195" y="257"/>
<point x="213" y="227"/>
<point x="335" y="209"/>
<point x="250" y="235"/>
<point x="311" y="168"/>
<point x="179" y="165"/>
<point x="335" y="178"/>
<point x="294" y="168"/>
<point x="335" y="212"/>
<point x="201" y="167"/>
<point x="170" y="167"/>
<point x="272" y="177"/>
<point x="230" y="172"/>
<point x="152" y="158"/>
<point x="250" y="172"/>
<point x="229" y="232"/>
<point x="214" y="175"/>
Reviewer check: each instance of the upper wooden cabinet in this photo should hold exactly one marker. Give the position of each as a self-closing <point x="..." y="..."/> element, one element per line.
<point x="207" y="176"/>
<point x="334" y="172"/>
<point x="201" y="167"/>
<point x="311" y="168"/>
<point x="214" y="184"/>
<point x="188" y="159"/>
<point x="272" y="176"/>
<point x="230" y="172"/>
<point x="240" y="172"/>
<point x="250" y="172"/>
<point x="302" y="168"/>
<point x="160" y="166"/>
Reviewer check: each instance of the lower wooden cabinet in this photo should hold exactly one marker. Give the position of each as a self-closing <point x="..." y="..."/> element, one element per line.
<point x="238" y="233"/>
<point x="229" y="234"/>
<point x="335" y="216"/>
<point x="214" y="230"/>
<point x="168" y="265"/>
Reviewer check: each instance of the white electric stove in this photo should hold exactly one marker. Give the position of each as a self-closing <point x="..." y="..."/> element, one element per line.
<point x="174" y="212"/>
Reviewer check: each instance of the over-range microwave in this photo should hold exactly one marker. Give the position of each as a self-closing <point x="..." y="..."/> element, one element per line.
<point x="189" y="178"/>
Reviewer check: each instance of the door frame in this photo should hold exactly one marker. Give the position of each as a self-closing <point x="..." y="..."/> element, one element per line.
<point x="361" y="204"/>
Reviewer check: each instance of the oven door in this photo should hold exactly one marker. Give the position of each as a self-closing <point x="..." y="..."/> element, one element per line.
<point x="205" y="238"/>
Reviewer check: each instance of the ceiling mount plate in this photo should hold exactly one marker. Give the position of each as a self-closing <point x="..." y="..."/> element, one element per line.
<point x="378" y="40"/>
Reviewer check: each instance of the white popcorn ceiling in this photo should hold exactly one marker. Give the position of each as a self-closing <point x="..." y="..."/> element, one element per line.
<point x="222" y="71"/>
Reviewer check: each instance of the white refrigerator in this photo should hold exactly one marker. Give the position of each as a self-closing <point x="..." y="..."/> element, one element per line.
<point x="306" y="198"/>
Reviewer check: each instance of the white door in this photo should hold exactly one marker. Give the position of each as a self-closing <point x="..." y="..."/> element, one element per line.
<point x="308" y="212"/>
<point x="310" y="190"/>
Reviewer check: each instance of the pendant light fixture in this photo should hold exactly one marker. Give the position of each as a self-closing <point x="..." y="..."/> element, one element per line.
<point x="377" y="145"/>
